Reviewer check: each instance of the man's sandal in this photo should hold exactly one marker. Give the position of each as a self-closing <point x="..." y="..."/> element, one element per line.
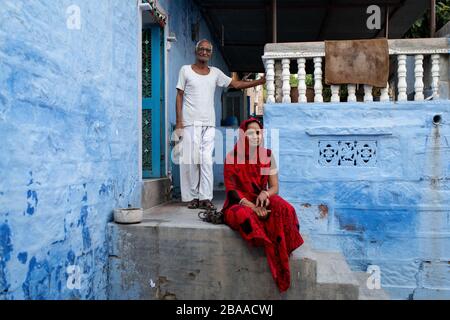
<point x="207" y="204"/>
<point x="194" y="204"/>
<point x="211" y="216"/>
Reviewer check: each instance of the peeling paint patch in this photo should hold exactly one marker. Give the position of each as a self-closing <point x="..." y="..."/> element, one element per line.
<point x="71" y="257"/>
<point x="22" y="257"/>
<point x="31" y="179"/>
<point x="105" y="190"/>
<point x="32" y="201"/>
<point x="5" y="242"/>
<point x="5" y="254"/>
<point x="323" y="209"/>
<point x="351" y="227"/>
<point x="161" y="292"/>
<point x="37" y="282"/>
<point x="85" y="197"/>
<point x="83" y="223"/>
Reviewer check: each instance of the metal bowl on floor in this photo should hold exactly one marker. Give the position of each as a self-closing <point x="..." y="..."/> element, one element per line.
<point x="128" y="215"/>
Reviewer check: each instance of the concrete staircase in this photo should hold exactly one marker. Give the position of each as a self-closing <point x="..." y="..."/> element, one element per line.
<point x="155" y="192"/>
<point x="174" y="255"/>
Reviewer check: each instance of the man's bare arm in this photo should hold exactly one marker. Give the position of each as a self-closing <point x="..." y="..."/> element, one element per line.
<point x="179" y="107"/>
<point x="237" y="84"/>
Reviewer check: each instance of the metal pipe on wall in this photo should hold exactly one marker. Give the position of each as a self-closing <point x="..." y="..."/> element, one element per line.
<point x="432" y="18"/>
<point x="386" y="28"/>
<point x="274" y="21"/>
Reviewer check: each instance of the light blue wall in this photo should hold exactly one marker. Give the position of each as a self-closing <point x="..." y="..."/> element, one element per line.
<point x="69" y="142"/>
<point x="69" y="127"/>
<point x="183" y="13"/>
<point x="394" y="213"/>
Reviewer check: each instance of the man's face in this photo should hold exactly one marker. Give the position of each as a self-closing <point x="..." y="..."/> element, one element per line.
<point x="204" y="51"/>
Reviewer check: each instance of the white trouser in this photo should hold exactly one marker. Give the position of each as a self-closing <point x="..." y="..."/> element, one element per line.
<point x="196" y="163"/>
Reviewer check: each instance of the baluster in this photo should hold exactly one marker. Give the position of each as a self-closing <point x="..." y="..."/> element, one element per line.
<point x="278" y="82"/>
<point x="351" y="88"/>
<point x="402" y="86"/>
<point x="368" y="97"/>
<point x="270" y="78"/>
<point x="301" y="80"/>
<point x="435" y="69"/>
<point x="385" y="93"/>
<point x="418" y="73"/>
<point x="335" y="93"/>
<point x="286" y="75"/>
<point x="318" y="79"/>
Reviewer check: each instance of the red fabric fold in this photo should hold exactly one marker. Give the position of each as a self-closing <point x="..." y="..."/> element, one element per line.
<point x="279" y="233"/>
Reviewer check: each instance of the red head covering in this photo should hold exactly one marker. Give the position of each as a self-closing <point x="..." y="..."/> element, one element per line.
<point x="279" y="234"/>
<point x="241" y="149"/>
<point x="245" y="177"/>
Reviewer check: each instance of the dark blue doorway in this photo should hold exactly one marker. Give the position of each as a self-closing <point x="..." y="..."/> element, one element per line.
<point x="153" y="138"/>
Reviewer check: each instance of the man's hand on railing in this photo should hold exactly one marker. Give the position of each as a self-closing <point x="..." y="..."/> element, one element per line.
<point x="263" y="80"/>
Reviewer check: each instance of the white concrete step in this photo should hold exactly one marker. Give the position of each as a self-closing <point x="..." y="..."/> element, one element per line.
<point x="174" y="255"/>
<point x="155" y="192"/>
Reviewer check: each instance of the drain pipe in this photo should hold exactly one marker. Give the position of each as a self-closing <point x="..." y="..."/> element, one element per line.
<point x="437" y="120"/>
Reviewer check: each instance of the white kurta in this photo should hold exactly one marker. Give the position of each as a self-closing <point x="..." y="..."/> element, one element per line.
<point x="197" y="146"/>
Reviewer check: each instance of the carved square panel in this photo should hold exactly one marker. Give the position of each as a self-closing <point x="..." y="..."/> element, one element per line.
<point x="347" y="153"/>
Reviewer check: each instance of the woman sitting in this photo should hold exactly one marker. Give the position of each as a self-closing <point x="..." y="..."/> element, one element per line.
<point x="252" y="205"/>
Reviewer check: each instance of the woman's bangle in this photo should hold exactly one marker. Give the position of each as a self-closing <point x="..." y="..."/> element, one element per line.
<point x="267" y="193"/>
<point x="242" y="200"/>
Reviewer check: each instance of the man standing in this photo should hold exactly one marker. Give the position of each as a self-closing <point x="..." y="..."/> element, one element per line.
<point x="196" y="124"/>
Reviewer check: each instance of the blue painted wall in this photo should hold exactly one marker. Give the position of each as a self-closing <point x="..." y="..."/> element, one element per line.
<point x="395" y="212"/>
<point x="69" y="127"/>
<point x="69" y="132"/>
<point x="183" y="13"/>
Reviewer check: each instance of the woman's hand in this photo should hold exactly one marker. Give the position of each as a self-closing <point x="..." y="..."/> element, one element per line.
<point x="261" y="212"/>
<point x="263" y="199"/>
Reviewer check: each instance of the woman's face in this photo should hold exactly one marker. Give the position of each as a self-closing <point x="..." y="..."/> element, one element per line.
<point x="254" y="134"/>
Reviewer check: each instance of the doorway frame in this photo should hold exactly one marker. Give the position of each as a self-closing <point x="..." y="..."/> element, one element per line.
<point x="164" y="133"/>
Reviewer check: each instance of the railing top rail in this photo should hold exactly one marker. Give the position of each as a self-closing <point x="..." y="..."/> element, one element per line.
<point x="294" y="50"/>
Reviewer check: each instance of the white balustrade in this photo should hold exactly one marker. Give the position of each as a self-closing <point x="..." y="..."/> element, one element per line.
<point x="301" y="62"/>
<point x="401" y="72"/>
<point x="351" y="88"/>
<point x="286" y="76"/>
<point x="418" y="73"/>
<point x="278" y="56"/>
<point x="385" y="93"/>
<point x="335" y="93"/>
<point x="270" y="80"/>
<point x="368" y="97"/>
<point x="435" y="70"/>
<point x="318" y="80"/>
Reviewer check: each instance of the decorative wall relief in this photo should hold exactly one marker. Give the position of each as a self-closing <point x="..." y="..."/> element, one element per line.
<point x="347" y="153"/>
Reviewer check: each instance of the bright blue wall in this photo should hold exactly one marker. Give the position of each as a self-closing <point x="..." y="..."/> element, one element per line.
<point x="394" y="213"/>
<point x="69" y="126"/>
<point x="69" y="132"/>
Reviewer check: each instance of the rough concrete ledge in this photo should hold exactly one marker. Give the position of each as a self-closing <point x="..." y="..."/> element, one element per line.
<point x="155" y="192"/>
<point x="174" y="255"/>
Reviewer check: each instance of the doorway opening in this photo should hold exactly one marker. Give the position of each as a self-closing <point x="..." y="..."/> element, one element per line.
<point x="153" y="98"/>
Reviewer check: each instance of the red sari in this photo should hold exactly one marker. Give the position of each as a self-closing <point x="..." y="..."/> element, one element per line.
<point x="279" y="233"/>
